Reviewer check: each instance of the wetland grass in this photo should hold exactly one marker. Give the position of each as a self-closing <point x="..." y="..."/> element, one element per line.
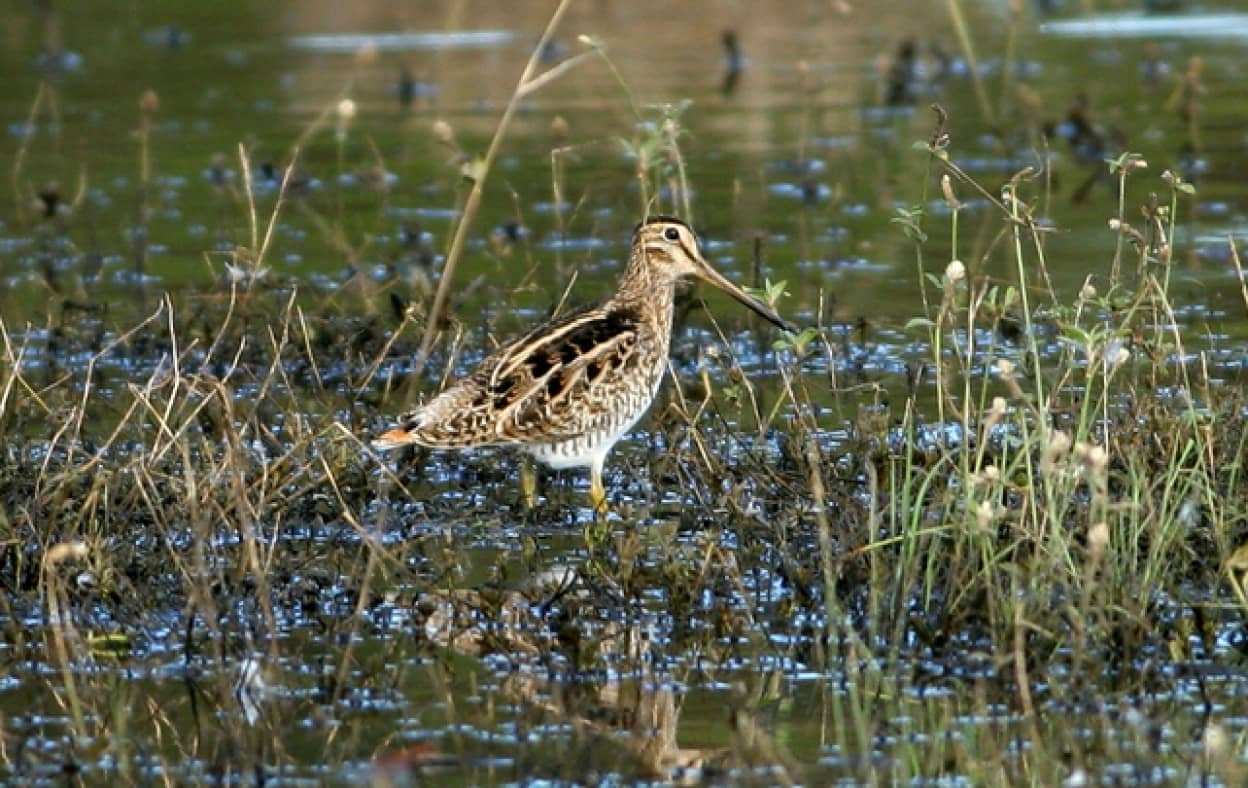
<point x="1058" y="537"/>
<point x="1074" y="525"/>
<point x="1054" y="539"/>
<point x="1048" y="523"/>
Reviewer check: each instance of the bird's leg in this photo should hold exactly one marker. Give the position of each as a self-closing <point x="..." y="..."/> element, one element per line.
<point x="528" y="483"/>
<point x="597" y="493"/>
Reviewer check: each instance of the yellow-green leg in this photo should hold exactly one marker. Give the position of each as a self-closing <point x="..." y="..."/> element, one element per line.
<point x="597" y="493"/>
<point x="528" y="483"/>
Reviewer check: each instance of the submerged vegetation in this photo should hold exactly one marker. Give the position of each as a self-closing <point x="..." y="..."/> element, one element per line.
<point x="1021" y="560"/>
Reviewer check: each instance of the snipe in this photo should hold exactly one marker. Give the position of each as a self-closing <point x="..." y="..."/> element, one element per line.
<point x="569" y="389"/>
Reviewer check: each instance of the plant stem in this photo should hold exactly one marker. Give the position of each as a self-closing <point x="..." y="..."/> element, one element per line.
<point x="473" y="202"/>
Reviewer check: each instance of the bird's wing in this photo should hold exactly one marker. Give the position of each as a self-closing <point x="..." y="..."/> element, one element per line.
<point x="543" y="382"/>
<point x="535" y="389"/>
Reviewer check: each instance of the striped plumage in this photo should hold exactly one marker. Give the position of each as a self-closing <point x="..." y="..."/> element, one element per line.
<point x="568" y="390"/>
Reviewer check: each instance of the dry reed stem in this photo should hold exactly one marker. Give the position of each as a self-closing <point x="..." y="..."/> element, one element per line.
<point x="473" y="202"/>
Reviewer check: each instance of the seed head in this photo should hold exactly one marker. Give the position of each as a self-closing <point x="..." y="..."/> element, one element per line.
<point x="984" y="516"/>
<point x="443" y="133"/>
<point x="1095" y="459"/>
<point x="1054" y="452"/>
<point x="1098" y="541"/>
<point x="559" y="131"/>
<point x="149" y="102"/>
<point x="1117" y="355"/>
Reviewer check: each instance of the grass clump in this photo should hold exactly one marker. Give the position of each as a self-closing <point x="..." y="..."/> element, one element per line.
<point x="1065" y="529"/>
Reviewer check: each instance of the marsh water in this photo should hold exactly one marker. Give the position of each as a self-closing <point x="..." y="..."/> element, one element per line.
<point x="799" y="151"/>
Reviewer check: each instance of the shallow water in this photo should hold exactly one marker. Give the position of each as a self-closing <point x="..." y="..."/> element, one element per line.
<point x="712" y="649"/>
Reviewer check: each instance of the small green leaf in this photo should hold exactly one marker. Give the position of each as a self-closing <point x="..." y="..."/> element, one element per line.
<point x="770" y="293"/>
<point x="802" y="340"/>
<point x="1076" y="334"/>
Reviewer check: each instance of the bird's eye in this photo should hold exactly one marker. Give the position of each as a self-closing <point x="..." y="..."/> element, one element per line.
<point x="671" y="234"/>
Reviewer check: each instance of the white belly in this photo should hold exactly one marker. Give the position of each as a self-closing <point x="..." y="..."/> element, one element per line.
<point x="591" y="447"/>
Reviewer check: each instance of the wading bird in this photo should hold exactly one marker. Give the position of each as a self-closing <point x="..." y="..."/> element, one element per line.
<point x="568" y="390"/>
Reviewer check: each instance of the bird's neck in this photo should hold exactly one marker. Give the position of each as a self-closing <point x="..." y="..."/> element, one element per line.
<point x="653" y="297"/>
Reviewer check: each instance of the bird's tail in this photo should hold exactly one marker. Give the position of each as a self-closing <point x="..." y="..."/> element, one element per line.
<point x="404" y="435"/>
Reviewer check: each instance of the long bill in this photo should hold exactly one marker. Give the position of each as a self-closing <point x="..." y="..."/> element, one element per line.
<point x="710" y="275"/>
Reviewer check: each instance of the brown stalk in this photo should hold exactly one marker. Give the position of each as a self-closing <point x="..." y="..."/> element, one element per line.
<point x="527" y="84"/>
